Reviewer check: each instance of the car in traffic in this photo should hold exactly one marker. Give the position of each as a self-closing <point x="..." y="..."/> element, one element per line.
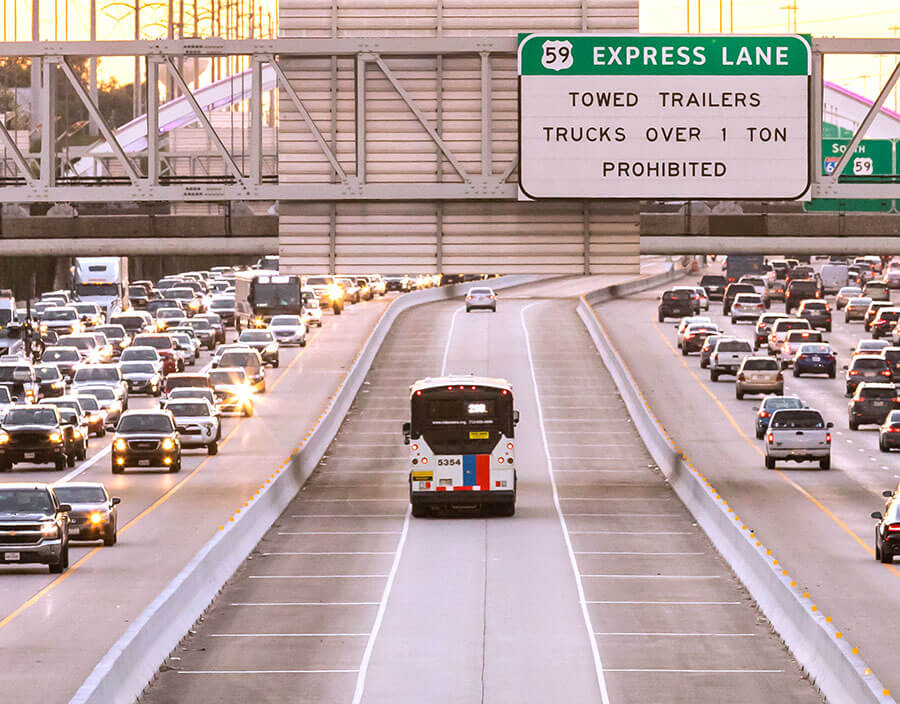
<point x="798" y="435"/>
<point x="117" y="336"/>
<point x="798" y="290"/>
<point x="64" y="358"/>
<point x="143" y="354"/>
<point x="141" y="378"/>
<point x="223" y="305"/>
<point x="714" y="285"/>
<point x="764" y="326"/>
<point x="817" y="312"/>
<point x="758" y="375"/>
<point x="889" y="432"/>
<point x="887" y="530"/>
<point x="181" y="380"/>
<point x="90" y="346"/>
<point x="885" y="322"/>
<point x="193" y="392"/>
<point x="747" y="306"/>
<point x="792" y="342"/>
<point x="50" y="380"/>
<point x="727" y="355"/>
<point x="34" y="526"/>
<point x="484" y="298"/>
<point x="33" y="434"/>
<point x="891" y="356"/>
<point x="865" y="368"/>
<point x="877" y="291"/>
<point x="731" y="292"/>
<point x="107" y="398"/>
<point x="856" y="308"/>
<point x="869" y="347"/>
<point x="251" y="362"/>
<point x="815" y="358"/>
<point x="779" y="331"/>
<point x="232" y="390"/>
<point x="265" y="343"/>
<point x="204" y="331"/>
<point x="146" y="438"/>
<point x="216" y="322"/>
<point x="63" y="320"/>
<point x="288" y="330"/>
<point x="768" y="406"/>
<point x="96" y="414"/>
<point x="845" y="294"/>
<point x="708" y="346"/>
<point x="695" y="335"/>
<point x="682" y="325"/>
<point x="197" y="423"/>
<point x="20" y="380"/>
<point x="165" y="347"/>
<point x="872" y="312"/>
<point x="871" y="403"/>
<point x="93" y="514"/>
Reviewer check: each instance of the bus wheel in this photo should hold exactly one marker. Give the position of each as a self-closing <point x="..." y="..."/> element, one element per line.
<point x="419" y="510"/>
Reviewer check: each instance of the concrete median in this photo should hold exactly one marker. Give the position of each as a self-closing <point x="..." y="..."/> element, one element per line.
<point x="820" y="648"/>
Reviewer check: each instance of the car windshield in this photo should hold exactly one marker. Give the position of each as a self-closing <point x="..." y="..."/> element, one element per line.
<point x="784" y="326"/>
<point x="256" y="336"/>
<point x="815" y="349"/>
<point x="13" y="373"/>
<point x="145" y="423"/>
<point x="112" y="332"/>
<point x="748" y="298"/>
<point x="169" y="313"/>
<point x="798" y="419"/>
<point x="199" y="324"/>
<point x="859" y="301"/>
<point x="239" y="359"/>
<point x="145" y="355"/>
<point x="184" y="408"/>
<point x="85" y="308"/>
<point x="285" y="320"/>
<point x="872" y="344"/>
<point x="849" y="290"/>
<point x="868" y="363"/>
<point x="193" y="392"/>
<point x="52" y="314"/>
<point x="760" y="364"/>
<point x="160" y="343"/>
<point x="137" y="368"/>
<point x="4" y="395"/>
<point x="103" y="393"/>
<point x="97" y="374"/>
<point x="222" y="304"/>
<point x="30" y="416"/>
<point x="815" y="305"/>
<point x="733" y="346"/>
<point x="82" y="342"/>
<point x="25" y="501"/>
<point x="227" y="376"/>
<point x="80" y="494"/>
<point x="880" y="392"/>
<point x="89" y="403"/>
<point x="129" y="322"/>
<point x="710" y="280"/>
<point x="47" y="373"/>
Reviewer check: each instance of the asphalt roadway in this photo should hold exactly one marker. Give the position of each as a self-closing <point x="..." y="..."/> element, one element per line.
<point x="55" y="628"/>
<point x="816" y="522"/>
<point x="600" y="589"/>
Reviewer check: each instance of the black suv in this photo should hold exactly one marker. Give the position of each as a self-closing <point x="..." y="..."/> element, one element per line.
<point x="714" y="285"/>
<point x="32" y="434"/>
<point x="675" y="303"/>
<point x="34" y="526"/>
<point x="798" y="290"/>
<point x="146" y="439"/>
<point x="871" y="403"/>
<point x="731" y="293"/>
<point x="887" y="530"/>
<point x="817" y="312"/>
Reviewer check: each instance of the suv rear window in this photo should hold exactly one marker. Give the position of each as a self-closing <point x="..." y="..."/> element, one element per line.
<point x="877" y="392"/>
<point x="734" y="346"/>
<point x="760" y="364"/>
<point x="710" y="280"/>
<point x="868" y="363"/>
<point x="677" y="296"/>
<point x="797" y="419"/>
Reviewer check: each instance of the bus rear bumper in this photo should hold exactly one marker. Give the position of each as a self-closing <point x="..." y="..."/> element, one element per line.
<point x="462" y="497"/>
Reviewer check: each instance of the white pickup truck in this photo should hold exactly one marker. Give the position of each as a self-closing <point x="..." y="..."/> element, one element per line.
<point x="727" y="355"/>
<point x="798" y="435"/>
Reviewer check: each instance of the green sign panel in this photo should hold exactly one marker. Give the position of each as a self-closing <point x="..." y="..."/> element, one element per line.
<point x="664" y="55"/>
<point x="873" y="157"/>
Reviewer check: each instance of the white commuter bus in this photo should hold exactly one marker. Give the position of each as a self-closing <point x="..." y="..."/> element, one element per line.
<point x="461" y="438"/>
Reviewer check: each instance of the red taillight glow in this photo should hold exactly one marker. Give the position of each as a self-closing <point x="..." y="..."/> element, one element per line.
<point x="741" y="377"/>
<point x="780" y="377"/>
<point x="853" y="372"/>
<point x="764" y="414"/>
<point x="770" y="437"/>
<point x="509" y="446"/>
<point x="424" y="460"/>
<point x="827" y="437"/>
<point x="414" y="447"/>
<point x="691" y="336"/>
<point x="504" y="392"/>
<point x="885" y="372"/>
<point x="894" y="528"/>
<point x="418" y="393"/>
<point x="500" y="460"/>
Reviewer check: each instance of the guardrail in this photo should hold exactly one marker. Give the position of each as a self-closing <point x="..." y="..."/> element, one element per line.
<point x="820" y="648"/>
<point x="134" y="659"/>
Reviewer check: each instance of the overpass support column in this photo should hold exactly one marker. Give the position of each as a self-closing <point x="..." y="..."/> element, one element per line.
<point x="61" y="277"/>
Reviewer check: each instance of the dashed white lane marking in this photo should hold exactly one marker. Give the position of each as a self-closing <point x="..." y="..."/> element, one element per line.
<point x="305" y="603"/>
<point x="629" y="532"/>
<point x="706" y="672"/>
<point x="288" y="635"/>
<point x="670" y="603"/>
<point x="653" y="576"/>
<point x="318" y="576"/>
<point x="634" y="552"/>
<point x="265" y="672"/>
<point x="84" y="466"/>
<point x="573" y="561"/>
<point x="383" y="552"/>
<point x="341" y="532"/>
<point x="449" y="341"/>
<point x="676" y="635"/>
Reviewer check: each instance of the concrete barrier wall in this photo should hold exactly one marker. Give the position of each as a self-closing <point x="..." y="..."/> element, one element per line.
<point x="819" y="647"/>
<point x="122" y="674"/>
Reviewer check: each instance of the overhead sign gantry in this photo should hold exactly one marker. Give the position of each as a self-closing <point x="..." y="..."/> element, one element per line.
<point x="664" y="116"/>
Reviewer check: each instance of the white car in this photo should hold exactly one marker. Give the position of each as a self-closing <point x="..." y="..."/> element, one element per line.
<point x="106" y="399"/>
<point x="683" y="324"/>
<point x="109" y="375"/>
<point x="481" y="297"/>
<point x="288" y="330"/>
<point x="747" y="306"/>
<point x="6" y="402"/>
<point x="312" y="314"/>
<point x="197" y="423"/>
<point x="143" y="353"/>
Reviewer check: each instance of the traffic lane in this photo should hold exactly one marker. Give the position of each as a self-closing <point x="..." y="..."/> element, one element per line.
<point x="876" y="471"/>
<point x="112" y="586"/>
<point x="665" y="609"/>
<point x="815" y="522"/>
<point x="317" y="578"/>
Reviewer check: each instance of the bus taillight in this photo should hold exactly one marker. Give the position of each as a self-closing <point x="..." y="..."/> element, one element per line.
<point x="509" y="446"/>
<point x="414" y="447"/>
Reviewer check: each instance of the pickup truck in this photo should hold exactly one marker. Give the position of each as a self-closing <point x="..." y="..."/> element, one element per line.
<point x="727" y="355"/>
<point x="798" y="435"/>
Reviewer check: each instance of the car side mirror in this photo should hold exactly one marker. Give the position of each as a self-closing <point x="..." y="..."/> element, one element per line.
<point x="887" y="493"/>
<point x="515" y="417"/>
<point x="115" y="501"/>
<point x="829" y="424"/>
<point x="877" y="515"/>
<point x="64" y="508"/>
<point x="406" y="430"/>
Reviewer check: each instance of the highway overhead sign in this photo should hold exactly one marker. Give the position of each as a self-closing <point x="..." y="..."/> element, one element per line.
<point x="663" y="116"/>
<point x="873" y="157"/>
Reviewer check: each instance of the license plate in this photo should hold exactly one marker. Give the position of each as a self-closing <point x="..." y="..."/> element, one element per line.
<point x="28" y="455"/>
<point x="479" y="435"/>
<point x="11" y="556"/>
<point x="878" y="404"/>
<point x="74" y="530"/>
<point x="816" y="359"/>
<point x="143" y="463"/>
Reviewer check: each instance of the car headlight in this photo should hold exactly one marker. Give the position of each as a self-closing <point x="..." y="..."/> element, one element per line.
<point x="96" y="518"/>
<point x="272" y="347"/>
<point x="168" y="444"/>
<point x="4" y="438"/>
<point x="119" y="445"/>
<point x="77" y="434"/>
<point x="335" y="293"/>
<point x="194" y="305"/>
<point x="95" y="418"/>
<point x="58" y="385"/>
<point x="49" y="529"/>
<point x="56" y="437"/>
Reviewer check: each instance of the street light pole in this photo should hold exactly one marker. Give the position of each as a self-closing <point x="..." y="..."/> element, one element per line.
<point x="35" y="73"/>
<point x="92" y="77"/>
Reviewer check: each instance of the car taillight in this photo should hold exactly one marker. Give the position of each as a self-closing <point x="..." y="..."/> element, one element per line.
<point x="853" y="372"/>
<point x="827" y="437"/>
<point x="490" y="298"/>
<point x="691" y="336"/>
<point x="894" y="528"/>
<point x="770" y="437"/>
<point x="764" y="414"/>
<point x="780" y="377"/>
<point x="741" y="377"/>
<point x="885" y="372"/>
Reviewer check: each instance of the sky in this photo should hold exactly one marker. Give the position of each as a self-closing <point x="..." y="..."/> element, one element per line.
<point x="820" y="18"/>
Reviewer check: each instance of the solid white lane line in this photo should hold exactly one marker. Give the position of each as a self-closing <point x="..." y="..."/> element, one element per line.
<point x="349" y="501"/>
<point x="677" y="635"/>
<point x="631" y="532"/>
<point x="379" y="617"/>
<point x="386" y="552"/>
<point x="264" y="672"/>
<point x="625" y="515"/>
<point x="341" y="532"/>
<point x="631" y="552"/>
<point x="449" y="340"/>
<point x="610" y="498"/>
<point x="351" y="515"/>
<point x="573" y="561"/>
<point x="318" y="576"/>
<point x="671" y="603"/>
<point x="304" y="603"/>
<point x="87" y="464"/>
<point x="288" y="635"/>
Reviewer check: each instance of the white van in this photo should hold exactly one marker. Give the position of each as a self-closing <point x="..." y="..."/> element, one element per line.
<point x="834" y="277"/>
